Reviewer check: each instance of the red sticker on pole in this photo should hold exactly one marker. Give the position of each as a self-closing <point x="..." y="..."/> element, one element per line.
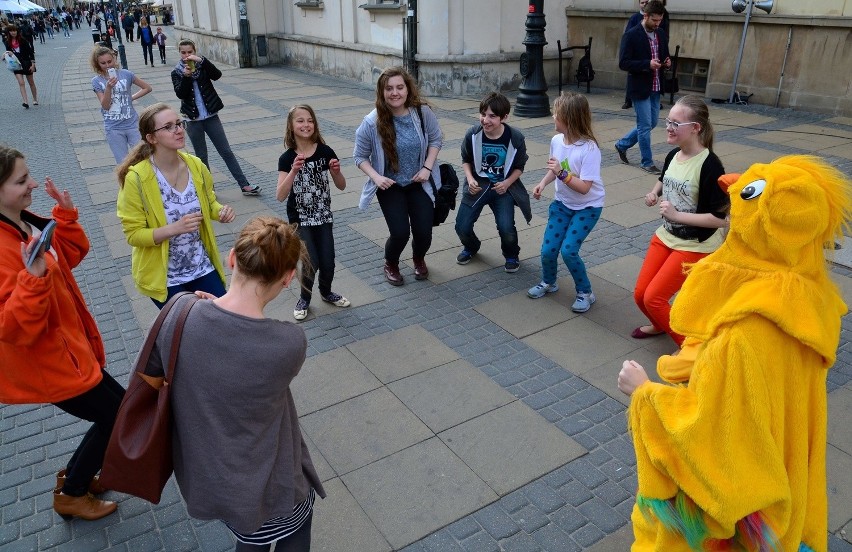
<point x="532" y="9"/>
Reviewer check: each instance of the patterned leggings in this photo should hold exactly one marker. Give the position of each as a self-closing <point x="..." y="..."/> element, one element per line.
<point x="565" y="232"/>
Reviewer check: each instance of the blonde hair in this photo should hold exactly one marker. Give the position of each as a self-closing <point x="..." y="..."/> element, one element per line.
<point x="572" y="110"/>
<point x="97" y="52"/>
<point x="144" y="149"/>
<point x="290" y="136"/>
<point x="267" y="248"/>
<point x="700" y="115"/>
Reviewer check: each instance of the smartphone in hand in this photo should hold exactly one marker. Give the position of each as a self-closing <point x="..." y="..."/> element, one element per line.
<point x="112" y="72"/>
<point x="43" y="243"/>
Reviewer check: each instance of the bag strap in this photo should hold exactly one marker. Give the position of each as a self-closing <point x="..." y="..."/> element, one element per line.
<point x="423" y="130"/>
<point x="148" y="346"/>
<point x="178" y="332"/>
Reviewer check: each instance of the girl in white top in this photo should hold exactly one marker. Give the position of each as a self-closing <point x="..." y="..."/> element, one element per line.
<point x="575" y="163"/>
<point x="112" y="86"/>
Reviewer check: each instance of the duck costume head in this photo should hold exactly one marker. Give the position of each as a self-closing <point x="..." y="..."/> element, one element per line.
<point x="734" y="458"/>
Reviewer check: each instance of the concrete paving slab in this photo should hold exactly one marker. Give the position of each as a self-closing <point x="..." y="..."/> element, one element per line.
<point x="402" y="353"/>
<point x="740" y="162"/>
<point x="330" y="378"/>
<point x="521" y="316"/>
<point x="448" y="395"/>
<point x="839" y="466"/>
<point x="621" y="272"/>
<point x="579" y="345"/>
<point x="615" y="542"/>
<point x="606" y="293"/>
<point x="631" y="213"/>
<point x="839" y="415"/>
<point x="324" y="469"/>
<point x="605" y="376"/>
<point x="844" y="282"/>
<point x="511" y="446"/>
<point x="363" y="429"/>
<point x="626" y="191"/>
<point x="339" y="523"/>
<point x="417" y="491"/>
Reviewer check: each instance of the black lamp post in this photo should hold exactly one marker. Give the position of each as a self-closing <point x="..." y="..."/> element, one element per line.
<point x="532" y="100"/>
<point x="122" y="57"/>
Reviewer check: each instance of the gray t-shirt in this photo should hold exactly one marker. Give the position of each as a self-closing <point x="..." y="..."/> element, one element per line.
<point x="120" y="115"/>
<point x="407" y="148"/>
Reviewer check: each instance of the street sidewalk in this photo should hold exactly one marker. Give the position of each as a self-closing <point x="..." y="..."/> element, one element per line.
<point x="449" y="414"/>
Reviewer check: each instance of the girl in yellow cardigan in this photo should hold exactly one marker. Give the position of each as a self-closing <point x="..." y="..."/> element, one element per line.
<point x="166" y="204"/>
<point x="735" y="458"/>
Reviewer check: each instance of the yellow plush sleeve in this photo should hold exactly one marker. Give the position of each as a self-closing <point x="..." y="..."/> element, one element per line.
<point x="712" y="439"/>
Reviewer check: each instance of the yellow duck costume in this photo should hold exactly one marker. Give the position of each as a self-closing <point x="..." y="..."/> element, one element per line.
<point x="735" y="459"/>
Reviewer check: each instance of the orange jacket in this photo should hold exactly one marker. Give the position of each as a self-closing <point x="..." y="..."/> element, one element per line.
<point x="50" y="347"/>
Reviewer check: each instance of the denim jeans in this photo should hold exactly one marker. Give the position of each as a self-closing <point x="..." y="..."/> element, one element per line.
<point x="503" y="207"/>
<point x="212" y="126"/>
<point x="210" y="282"/>
<point x="319" y="241"/>
<point x="120" y="141"/>
<point x="100" y="406"/>
<point x="565" y="232"/>
<point x="647" y="113"/>
<point x="408" y="210"/>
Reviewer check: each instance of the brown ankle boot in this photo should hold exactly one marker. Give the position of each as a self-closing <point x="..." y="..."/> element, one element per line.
<point x="84" y="507"/>
<point x="420" y="270"/>
<point x="392" y="274"/>
<point x="95" y="486"/>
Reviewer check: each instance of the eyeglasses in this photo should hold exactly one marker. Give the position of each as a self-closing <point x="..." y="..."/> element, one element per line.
<point x="172" y="127"/>
<point x="675" y="126"/>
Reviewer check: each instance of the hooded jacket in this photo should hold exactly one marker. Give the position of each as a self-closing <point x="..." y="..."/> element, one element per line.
<point x="140" y="208"/>
<point x="735" y="459"/>
<point x="50" y="347"/>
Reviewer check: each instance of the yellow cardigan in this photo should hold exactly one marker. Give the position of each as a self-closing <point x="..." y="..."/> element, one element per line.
<point x="140" y="208"/>
<point x="735" y="459"/>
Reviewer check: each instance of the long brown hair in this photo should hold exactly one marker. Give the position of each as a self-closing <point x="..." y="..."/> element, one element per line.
<point x="8" y="156"/>
<point x="700" y="115"/>
<point x="267" y="249"/>
<point x="572" y="110"/>
<point x="144" y="149"/>
<point x="384" y="122"/>
<point x="290" y="136"/>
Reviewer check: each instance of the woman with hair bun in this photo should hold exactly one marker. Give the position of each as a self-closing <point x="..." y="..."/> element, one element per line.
<point x="239" y="454"/>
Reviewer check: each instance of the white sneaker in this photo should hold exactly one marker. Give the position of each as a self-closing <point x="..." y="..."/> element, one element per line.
<point x="541" y="288"/>
<point x="301" y="310"/>
<point x="583" y="302"/>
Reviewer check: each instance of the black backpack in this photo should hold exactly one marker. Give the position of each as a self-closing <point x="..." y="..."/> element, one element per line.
<point x="585" y="73"/>
<point x="445" y="197"/>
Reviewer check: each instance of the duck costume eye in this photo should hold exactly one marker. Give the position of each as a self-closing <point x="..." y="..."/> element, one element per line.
<point x="753" y="190"/>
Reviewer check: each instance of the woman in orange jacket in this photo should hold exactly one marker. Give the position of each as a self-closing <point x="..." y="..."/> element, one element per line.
<point x="50" y="348"/>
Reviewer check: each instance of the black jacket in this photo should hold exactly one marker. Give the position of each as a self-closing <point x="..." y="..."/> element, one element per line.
<point x="183" y="89"/>
<point x="635" y="58"/>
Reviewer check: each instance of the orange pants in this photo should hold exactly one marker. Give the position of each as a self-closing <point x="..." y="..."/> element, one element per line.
<point x="659" y="279"/>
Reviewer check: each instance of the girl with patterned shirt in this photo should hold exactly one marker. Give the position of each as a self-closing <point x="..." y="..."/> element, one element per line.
<point x="303" y="180"/>
<point x="121" y="121"/>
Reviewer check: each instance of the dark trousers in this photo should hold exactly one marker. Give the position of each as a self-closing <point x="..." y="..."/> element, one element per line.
<point x="319" y="241"/>
<point x="148" y="50"/>
<point x="210" y="282"/>
<point x="503" y="207"/>
<point x="162" y="52"/>
<point x="408" y="211"/>
<point x="128" y="35"/>
<point x="300" y="541"/>
<point x="98" y="405"/>
<point x="212" y="127"/>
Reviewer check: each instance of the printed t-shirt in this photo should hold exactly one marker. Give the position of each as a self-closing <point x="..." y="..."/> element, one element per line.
<point x="309" y="202"/>
<point x="583" y="159"/>
<point x="494" y="156"/>
<point x="121" y="115"/>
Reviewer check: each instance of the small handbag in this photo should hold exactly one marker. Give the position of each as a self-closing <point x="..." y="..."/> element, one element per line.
<point x="138" y="459"/>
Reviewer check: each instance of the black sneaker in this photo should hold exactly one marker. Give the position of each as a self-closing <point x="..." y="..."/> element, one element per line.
<point x="627" y="105"/>
<point x="464" y="257"/>
<point x="652" y="169"/>
<point x="512" y="265"/>
<point x="622" y="154"/>
<point x="251" y="190"/>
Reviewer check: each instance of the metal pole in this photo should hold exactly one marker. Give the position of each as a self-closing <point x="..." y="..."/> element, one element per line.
<point x="784" y="64"/>
<point x="122" y="56"/>
<point x="532" y="100"/>
<point x="740" y="54"/>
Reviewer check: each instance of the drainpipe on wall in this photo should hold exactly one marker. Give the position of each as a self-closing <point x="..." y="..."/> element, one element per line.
<point x="409" y="43"/>
<point x="245" y="35"/>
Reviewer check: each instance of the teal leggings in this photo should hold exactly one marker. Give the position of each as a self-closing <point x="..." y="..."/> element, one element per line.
<point x="565" y="232"/>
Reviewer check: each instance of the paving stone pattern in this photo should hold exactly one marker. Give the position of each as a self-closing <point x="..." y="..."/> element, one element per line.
<point x="524" y="366"/>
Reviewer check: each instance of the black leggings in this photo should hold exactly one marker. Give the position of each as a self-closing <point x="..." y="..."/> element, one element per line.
<point x="408" y="210"/>
<point x="100" y="406"/>
<point x="319" y="241"/>
<point x="300" y="541"/>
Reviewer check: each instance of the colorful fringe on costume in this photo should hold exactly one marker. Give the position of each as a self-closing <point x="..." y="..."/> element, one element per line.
<point x="681" y="515"/>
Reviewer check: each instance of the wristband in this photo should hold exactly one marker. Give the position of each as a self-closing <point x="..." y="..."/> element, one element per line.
<point x="427" y="168"/>
<point x="563" y="175"/>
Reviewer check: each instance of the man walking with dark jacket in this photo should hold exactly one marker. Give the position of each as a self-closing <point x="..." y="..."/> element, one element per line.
<point x="643" y="54"/>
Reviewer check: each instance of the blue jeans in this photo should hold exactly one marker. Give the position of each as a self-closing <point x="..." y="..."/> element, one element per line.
<point x="212" y="126"/>
<point x="121" y="140"/>
<point x="210" y="282"/>
<point x="319" y="241"/>
<point x="503" y="207"/>
<point x="647" y="113"/>
<point x="565" y="232"/>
